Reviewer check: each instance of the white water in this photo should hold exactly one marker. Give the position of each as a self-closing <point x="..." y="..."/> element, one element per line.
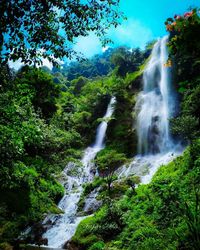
<point x="155" y="106"/>
<point x="146" y="166"/>
<point x="62" y="227"/>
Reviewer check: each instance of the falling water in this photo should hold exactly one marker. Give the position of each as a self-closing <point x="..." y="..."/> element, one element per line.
<point x="101" y="130"/>
<point x="155" y="104"/>
<point x="60" y="228"/>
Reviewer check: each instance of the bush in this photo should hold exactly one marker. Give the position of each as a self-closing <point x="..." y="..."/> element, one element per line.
<point x="97" y="246"/>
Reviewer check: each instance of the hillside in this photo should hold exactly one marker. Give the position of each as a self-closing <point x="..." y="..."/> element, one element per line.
<point x="66" y="133"/>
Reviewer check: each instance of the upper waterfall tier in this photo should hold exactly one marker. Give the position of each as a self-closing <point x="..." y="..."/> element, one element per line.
<point x="101" y="130"/>
<point x="155" y="104"/>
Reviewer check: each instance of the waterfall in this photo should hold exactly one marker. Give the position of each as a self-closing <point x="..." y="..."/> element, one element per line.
<point x="155" y="104"/>
<point x="101" y="130"/>
<point x="60" y="228"/>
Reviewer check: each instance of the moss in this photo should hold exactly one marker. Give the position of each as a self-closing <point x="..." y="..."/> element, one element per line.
<point x="118" y="189"/>
<point x="81" y="238"/>
<point x="5" y="246"/>
<point x="160" y="215"/>
<point x="88" y="188"/>
<point x="121" y="133"/>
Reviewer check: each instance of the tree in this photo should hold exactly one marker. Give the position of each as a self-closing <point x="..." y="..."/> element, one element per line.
<point x="33" y="29"/>
<point x="126" y="60"/>
<point x="184" y="44"/>
<point x="132" y="181"/>
<point x="42" y="90"/>
<point x="98" y="65"/>
<point x="107" y="162"/>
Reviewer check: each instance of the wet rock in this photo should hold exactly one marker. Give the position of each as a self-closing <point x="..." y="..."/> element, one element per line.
<point x="32" y="235"/>
<point x="37" y="231"/>
<point x="91" y="204"/>
<point x="42" y="241"/>
<point x="5" y="246"/>
<point x="70" y="245"/>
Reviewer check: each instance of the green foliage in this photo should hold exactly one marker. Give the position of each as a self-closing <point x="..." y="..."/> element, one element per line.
<point x="32" y="30"/>
<point x="121" y="135"/>
<point x="98" y="65"/>
<point x="184" y="28"/>
<point x="186" y="126"/>
<point x="184" y="46"/>
<point x="185" y="52"/>
<point x="41" y="129"/>
<point x="132" y="181"/>
<point x="39" y="86"/>
<point x="107" y="161"/>
<point x="127" y="60"/>
<point x="89" y="187"/>
<point x="187" y="123"/>
<point x="31" y="151"/>
<point x="105" y="224"/>
<point x="46" y="120"/>
<point x="162" y="215"/>
<point x="81" y="238"/>
<point x="97" y="246"/>
<point x="78" y="84"/>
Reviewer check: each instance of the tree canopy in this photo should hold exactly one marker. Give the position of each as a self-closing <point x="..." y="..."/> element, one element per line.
<point x="33" y="29"/>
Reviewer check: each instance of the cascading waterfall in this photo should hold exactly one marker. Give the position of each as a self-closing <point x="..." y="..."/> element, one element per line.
<point x="155" y="106"/>
<point x="60" y="228"/>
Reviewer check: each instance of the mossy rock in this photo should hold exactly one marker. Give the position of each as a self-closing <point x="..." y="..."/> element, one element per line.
<point x="5" y="246"/>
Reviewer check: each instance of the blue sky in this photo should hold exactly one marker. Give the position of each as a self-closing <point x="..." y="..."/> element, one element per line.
<point x="145" y="22"/>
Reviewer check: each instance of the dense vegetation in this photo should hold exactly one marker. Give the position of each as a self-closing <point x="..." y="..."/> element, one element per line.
<point x="31" y="30"/>
<point x="166" y="213"/>
<point x="99" y="65"/>
<point x="161" y="215"/>
<point x="49" y="117"/>
<point x="45" y="123"/>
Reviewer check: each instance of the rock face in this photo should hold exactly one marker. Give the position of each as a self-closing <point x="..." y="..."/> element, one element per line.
<point x="69" y="245"/>
<point x="37" y="231"/>
<point x="122" y="132"/>
<point x="33" y="235"/>
<point x="91" y="203"/>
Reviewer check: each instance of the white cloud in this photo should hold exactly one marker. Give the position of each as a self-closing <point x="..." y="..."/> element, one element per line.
<point x="45" y="62"/>
<point x="105" y="48"/>
<point x="131" y="33"/>
<point x="15" y="65"/>
<point x="89" y="45"/>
